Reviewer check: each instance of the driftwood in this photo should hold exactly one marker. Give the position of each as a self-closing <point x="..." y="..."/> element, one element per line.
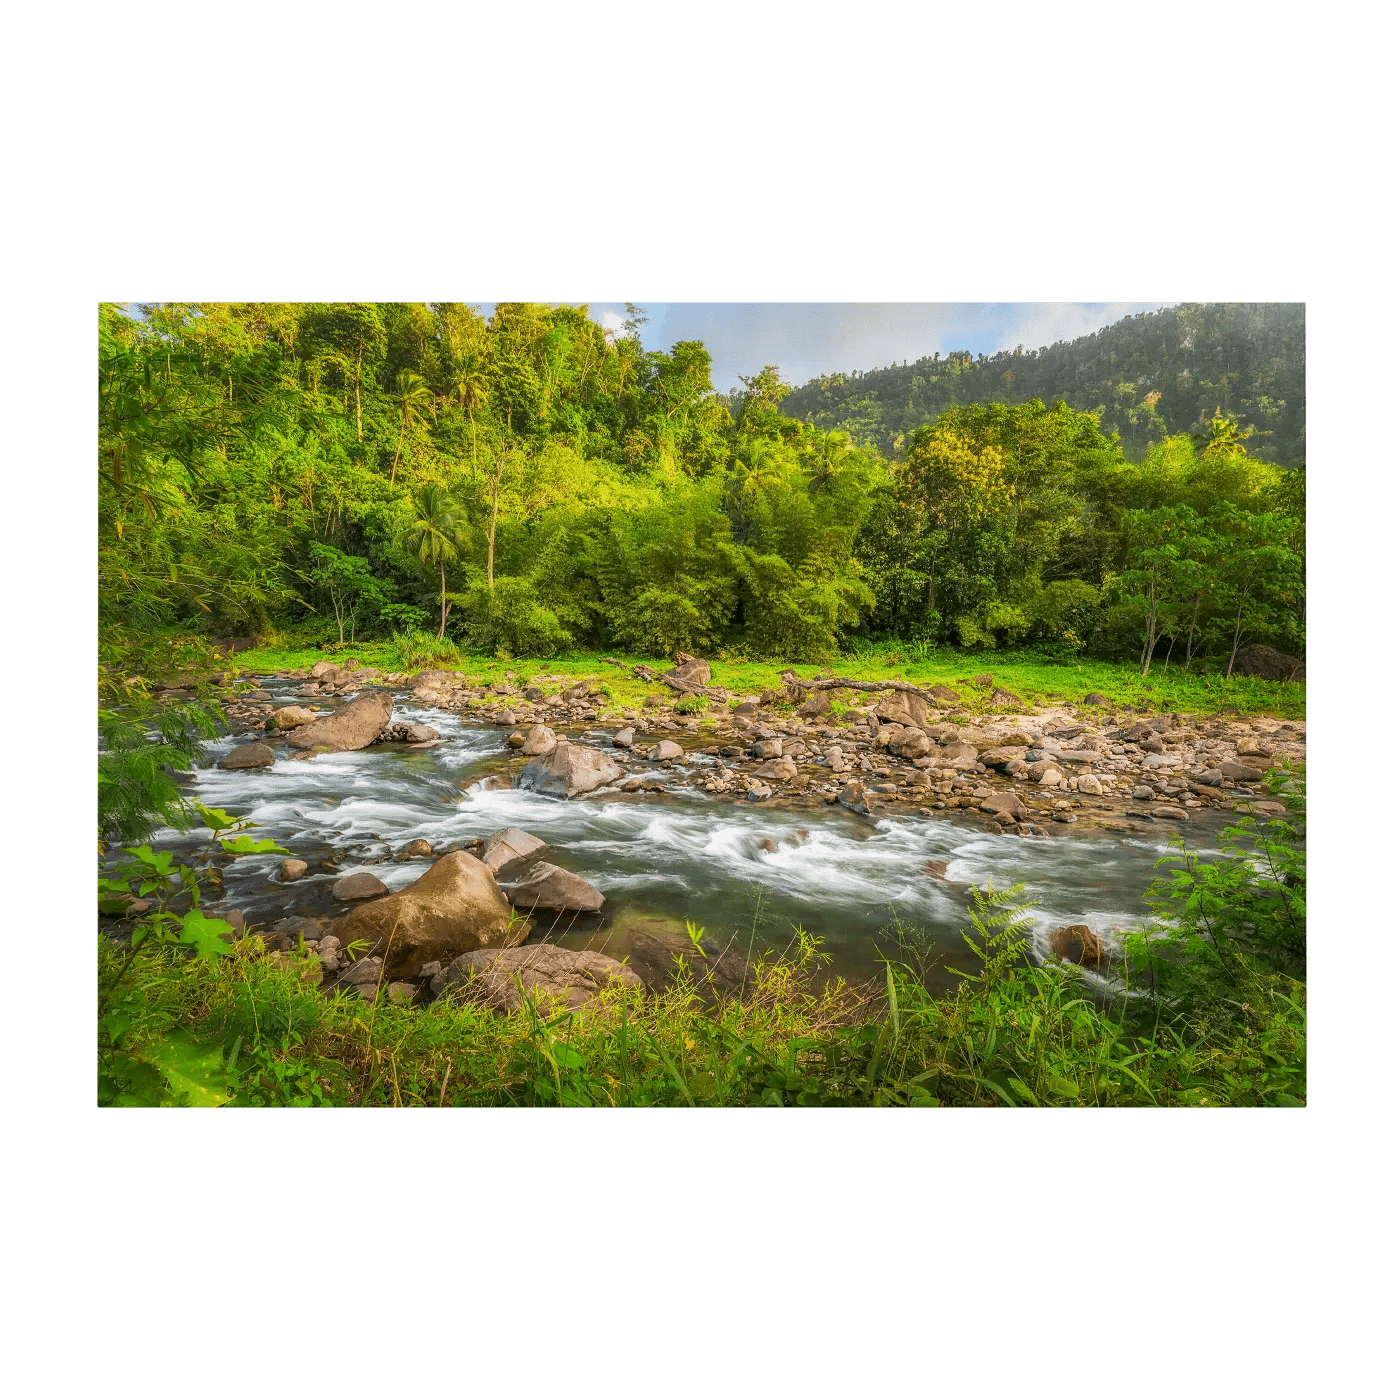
<point x="841" y="683"/>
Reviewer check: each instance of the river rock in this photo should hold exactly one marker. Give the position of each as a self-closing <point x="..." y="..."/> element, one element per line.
<point x="401" y="993"/>
<point x="1050" y="777"/>
<point x="568" y="770"/>
<point x="292" y="869"/>
<point x="667" y="748"/>
<point x="541" y="885"/>
<point x="814" y="706"/>
<point x="903" y="707"/>
<point x="910" y="743"/>
<point x="758" y="791"/>
<point x="854" y="799"/>
<point x="836" y="759"/>
<point x="353" y="726"/>
<point x="1232" y="772"/>
<point x="539" y="740"/>
<point x="1078" y="943"/>
<point x="1088" y="783"/>
<point x="548" y="975"/>
<point x="362" y="971"/>
<point x="1143" y="793"/>
<point x="249" y="756"/>
<point x="1259" y="660"/>
<point x="623" y="738"/>
<point x="507" y="845"/>
<point x="322" y="669"/>
<point x="782" y="770"/>
<point x="1171" y="814"/>
<point x="1095" y="698"/>
<point x="767" y="748"/>
<point x="360" y="885"/>
<point x="416" y="849"/>
<point x="291" y="717"/>
<point x="454" y="907"/>
<point x="1000" y="757"/>
<point x="715" y="970"/>
<point x="1002" y="696"/>
<point x="1007" y="803"/>
<point x="432" y="680"/>
<point x="689" y="674"/>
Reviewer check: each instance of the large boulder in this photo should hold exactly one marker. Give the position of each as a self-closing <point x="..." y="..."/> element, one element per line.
<point x="541" y="885"/>
<point x="249" y="756"/>
<point x="1002" y="696"/>
<point x="853" y="798"/>
<point x="667" y="748"/>
<point x="548" y="975"/>
<point x="1007" y="802"/>
<point x="903" y="707"/>
<point x="1078" y="943"/>
<point x="507" y="845"/>
<point x="1271" y="665"/>
<point x="569" y="770"/>
<point x="352" y="726"/>
<point x="689" y="674"/>
<point x="454" y="907"/>
<point x="911" y="743"/>
<point x="433" y="680"/>
<point x="782" y="770"/>
<point x="816" y="705"/>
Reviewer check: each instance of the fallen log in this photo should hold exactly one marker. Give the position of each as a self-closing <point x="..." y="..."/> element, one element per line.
<point x="841" y="683"/>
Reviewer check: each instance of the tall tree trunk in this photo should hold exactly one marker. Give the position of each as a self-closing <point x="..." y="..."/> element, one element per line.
<point x="359" y="423"/>
<point x="399" y="448"/>
<point x="442" y="598"/>
<point x="491" y="535"/>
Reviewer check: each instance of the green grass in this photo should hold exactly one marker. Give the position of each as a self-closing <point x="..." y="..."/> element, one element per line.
<point x="1033" y="678"/>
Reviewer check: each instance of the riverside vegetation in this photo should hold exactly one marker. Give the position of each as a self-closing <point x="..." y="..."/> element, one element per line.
<point x="295" y="473"/>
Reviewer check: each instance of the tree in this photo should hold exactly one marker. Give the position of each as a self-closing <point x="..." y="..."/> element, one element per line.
<point x="434" y="537"/>
<point x="347" y="581"/>
<point x="1258" y="571"/>
<point x="415" y="403"/>
<point x="350" y="336"/>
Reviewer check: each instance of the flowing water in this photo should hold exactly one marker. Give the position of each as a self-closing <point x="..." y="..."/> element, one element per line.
<point x="664" y="858"/>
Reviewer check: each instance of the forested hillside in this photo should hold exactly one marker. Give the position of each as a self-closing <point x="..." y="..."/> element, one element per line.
<point x="1147" y="377"/>
<point x="531" y="483"/>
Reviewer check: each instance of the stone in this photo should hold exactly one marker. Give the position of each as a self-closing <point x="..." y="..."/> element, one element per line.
<point x="938" y="869"/>
<point x="1095" y="698"/>
<point x="429" y="970"/>
<point x="569" y="770"/>
<point x="1210" y="777"/>
<point x="903" y="707"/>
<point x="292" y="869"/>
<point x="454" y="907"/>
<point x="1232" y="772"/>
<point x="836" y="759"/>
<point x="1007" y="802"/>
<point x="715" y="970"/>
<point x="1000" y="757"/>
<point x="1171" y="814"/>
<point x="689" y="673"/>
<point x="1250" y="746"/>
<point x="539" y="740"/>
<point x="768" y="844"/>
<point x="1143" y="793"/>
<point x="353" y="726"/>
<point x="854" y="799"/>
<point x="1050" y="776"/>
<point x="363" y="970"/>
<point x="291" y="717"/>
<point x="624" y="738"/>
<point x="322" y="669"/>
<point x="1088" y="783"/>
<point x="401" y="993"/>
<point x="1001" y="696"/>
<point x="1078" y="943"/>
<point x="515" y="741"/>
<point x="249" y="756"/>
<point x="541" y="885"/>
<point x="758" y="791"/>
<point x="816" y="705"/>
<point x="767" y="748"/>
<point x="360" y="885"/>
<point x="548" y="975"/>
<point x="911" y="743"/>
<point x="416" y="849"/>
<point x="667" y="748"/>
<point x="432" y="680"/>
<point x="777" y="769"/>
<point x="509" y="844"/>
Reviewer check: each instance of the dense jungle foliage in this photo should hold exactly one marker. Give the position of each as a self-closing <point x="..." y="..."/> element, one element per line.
<point x="531" y="483"/>
<point x="1146" y="377"/>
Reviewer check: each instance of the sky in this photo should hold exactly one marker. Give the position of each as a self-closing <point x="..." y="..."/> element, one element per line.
<point x="808" y="339"/>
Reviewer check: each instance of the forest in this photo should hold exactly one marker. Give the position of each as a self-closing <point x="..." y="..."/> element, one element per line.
<point x="530" y="484"/>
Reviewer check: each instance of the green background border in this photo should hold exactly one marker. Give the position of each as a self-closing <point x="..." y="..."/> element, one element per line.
<point x="784" y="153"/>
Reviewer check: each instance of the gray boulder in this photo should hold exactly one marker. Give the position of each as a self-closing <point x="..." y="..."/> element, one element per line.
<point x="539" y="740"/>
<point x="782" y="770"/>
<point x="854" y="799"/>
<point x="903" y="708"/>
<point x="361" y="885"/>
<point x="507" y="845"/>
<point x="249" y="756"/>
<point x="667" y="748"/>
<point x="541" y="885"/>
<point x="569" y="770"/>
<point x="623" y="738"/>
<point x="767" y="748"/>
<point x="353" y="726"/>
<point x="291" y="717"/>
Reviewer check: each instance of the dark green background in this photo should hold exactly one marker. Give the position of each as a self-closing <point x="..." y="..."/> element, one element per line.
<point x="718" y="153"/>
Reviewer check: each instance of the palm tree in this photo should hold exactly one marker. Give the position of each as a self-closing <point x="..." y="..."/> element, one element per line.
<point x="472" y="390"/>
<point x="416" y="404"/>
<point x="434" y="536"/>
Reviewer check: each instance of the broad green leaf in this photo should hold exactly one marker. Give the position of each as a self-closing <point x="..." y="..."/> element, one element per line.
<point x="205" y="935"/>
<point x="194" y="1072"/>
<point x="246" y="846"/>
<point x="215" y="818"/>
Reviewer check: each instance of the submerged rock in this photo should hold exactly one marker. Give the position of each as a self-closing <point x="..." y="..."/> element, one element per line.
<point x="546" y="974"/>
<point x="249" y="756"/>
<point x="414" y="850"/>
<point x="292" y="869"/>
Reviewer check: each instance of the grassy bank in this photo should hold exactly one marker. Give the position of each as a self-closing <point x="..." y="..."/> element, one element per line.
<point x="1026" y="674"/>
